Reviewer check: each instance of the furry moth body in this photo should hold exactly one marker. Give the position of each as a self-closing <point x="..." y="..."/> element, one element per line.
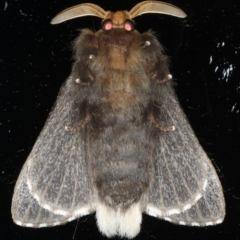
<point x="117" y="142"/>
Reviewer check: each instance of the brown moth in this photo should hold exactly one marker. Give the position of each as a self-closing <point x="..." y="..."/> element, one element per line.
<point x="117" y="141"/>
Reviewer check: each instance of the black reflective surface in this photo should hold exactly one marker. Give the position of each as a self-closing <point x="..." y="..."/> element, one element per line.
<point x="35" y="59"/>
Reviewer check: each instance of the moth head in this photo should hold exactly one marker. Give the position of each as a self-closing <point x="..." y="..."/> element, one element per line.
<point x="119" y="19"/>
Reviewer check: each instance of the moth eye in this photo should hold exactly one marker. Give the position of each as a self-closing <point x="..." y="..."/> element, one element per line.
<point x="129" y="25"/>
<point x="107" y="25"/>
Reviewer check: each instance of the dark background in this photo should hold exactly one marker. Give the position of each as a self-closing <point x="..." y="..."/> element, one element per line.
<point x="35" y="59"/>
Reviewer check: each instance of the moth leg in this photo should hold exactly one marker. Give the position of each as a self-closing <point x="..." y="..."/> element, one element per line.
<point x="159" y="126"/>
<point x="167" y="78"/>
<point x="81" y="126"/>
<point x="82" y="73"/>
<point x="160" y="73"/>
<point x="80" y="82"/>
<point x="145" y="44"/>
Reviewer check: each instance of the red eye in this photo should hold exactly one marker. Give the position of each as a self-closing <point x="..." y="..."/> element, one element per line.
<point x="107" y="25"/>
<point x="129" y="25"/>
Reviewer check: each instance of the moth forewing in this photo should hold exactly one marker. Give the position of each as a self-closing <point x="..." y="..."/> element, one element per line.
<point x="55" y="171"/>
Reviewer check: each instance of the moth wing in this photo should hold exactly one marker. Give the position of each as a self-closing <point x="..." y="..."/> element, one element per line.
<point x="209" y="210"/>
<point x="25" y="209"/>
<point x="181" y="181"/>
<point x="54" y="181"/>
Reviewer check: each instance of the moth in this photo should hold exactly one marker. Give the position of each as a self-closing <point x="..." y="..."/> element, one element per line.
<point x="117" y="141"/>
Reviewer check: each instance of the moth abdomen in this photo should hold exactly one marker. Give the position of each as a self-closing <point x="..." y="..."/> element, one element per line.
<point x="124" y="181"/>
<point x="122" y="174"/>
<point x="121" y="167"/>
<point x="124" y="223"/>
